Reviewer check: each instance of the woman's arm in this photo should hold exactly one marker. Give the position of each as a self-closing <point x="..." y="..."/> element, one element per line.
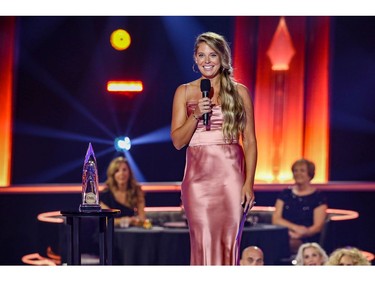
<point x="117" y="221"/>
<point x="277" y="217"/>
<point x="141" y="207"/>
<point x="299" y="231"/>
<point x="182" y="127"/>
<point x="104" y="206"/>
<point x="320" y="217"/>
<point x="249" y="143"/>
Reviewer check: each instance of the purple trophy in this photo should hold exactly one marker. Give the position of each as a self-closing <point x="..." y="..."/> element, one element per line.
<point x="90" y="184"/>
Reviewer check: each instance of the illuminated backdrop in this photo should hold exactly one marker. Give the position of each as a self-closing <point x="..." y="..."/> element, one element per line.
<point x="60" y="100"/>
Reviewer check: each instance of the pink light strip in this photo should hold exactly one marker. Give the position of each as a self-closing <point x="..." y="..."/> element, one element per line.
<point x="335" y="214"/>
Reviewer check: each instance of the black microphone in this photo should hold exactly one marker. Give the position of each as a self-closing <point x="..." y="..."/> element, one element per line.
<point x="205" y="88"/>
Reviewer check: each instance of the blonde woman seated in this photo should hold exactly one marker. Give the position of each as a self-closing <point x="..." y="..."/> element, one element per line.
<point x="347" y="256"/>
<point x="311" y="254"/>
<point x="123" y="192"/>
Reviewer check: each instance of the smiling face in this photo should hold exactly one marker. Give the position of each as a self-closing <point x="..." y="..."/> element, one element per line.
<point x="311" y="256"/>
<point x="207" y="60"/>
<point x="300" y="174"/>
<point x="122" y="174"/>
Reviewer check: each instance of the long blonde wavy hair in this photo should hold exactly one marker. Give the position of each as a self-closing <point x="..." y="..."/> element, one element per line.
<point x="231" y="103"/>
<point x="134" y="192"/>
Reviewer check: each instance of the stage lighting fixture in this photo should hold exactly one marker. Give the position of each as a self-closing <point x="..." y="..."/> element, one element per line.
<point x="122" y="143"/>
<point x="124" y="86"/>
<point x="120" y="39"/>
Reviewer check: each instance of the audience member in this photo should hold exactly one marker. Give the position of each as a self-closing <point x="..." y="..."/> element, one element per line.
<point x="301" y="207"/>
<point x="347" y="256"/>
<point x="123" y="192"/>
<point x="311" y="254"/>
<point x="252" y="255"/>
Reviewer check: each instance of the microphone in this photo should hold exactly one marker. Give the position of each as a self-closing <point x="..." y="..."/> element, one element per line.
<point x="205" y="89"/>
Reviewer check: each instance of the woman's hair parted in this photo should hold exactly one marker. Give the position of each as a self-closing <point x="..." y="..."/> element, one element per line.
<point x="231" y="102"/>
<point x="133" y="188"/>
<point x="310" y="166"/>
<point x="301" y="249"/>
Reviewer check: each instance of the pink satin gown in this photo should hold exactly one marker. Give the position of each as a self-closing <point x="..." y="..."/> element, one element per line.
<point x="211" y="193"/>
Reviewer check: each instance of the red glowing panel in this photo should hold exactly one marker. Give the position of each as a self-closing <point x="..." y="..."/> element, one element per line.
<point x="124" y="86"/>
<point x="6" y="70"/>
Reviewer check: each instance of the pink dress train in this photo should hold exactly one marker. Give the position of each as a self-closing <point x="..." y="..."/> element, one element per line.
<point x="211" y="193"/>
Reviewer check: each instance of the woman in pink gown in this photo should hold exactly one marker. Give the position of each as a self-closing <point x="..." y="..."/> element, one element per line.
<point x="220" y="157"/>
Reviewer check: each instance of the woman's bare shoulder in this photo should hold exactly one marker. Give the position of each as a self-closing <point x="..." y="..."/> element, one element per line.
<point x="242" y="88"/>
<point x="190" y="90"/>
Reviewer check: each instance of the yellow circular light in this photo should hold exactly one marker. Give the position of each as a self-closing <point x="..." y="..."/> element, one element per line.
<point x="120" y="39"/>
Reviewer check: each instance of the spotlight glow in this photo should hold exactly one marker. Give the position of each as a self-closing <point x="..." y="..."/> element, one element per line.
<point x="120" y="39"/>
<point x="122" y="143"/>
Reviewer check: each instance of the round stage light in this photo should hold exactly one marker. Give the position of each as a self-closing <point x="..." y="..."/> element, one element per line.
<point x="120" y="39"/>
<point x="122" y="143"/>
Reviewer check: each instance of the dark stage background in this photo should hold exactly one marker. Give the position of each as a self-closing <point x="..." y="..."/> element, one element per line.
<point x="61" y="103"/>
<point x="61" y="68"/>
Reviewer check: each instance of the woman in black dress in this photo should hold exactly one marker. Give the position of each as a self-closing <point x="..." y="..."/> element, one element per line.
<point x="301" y="207"/>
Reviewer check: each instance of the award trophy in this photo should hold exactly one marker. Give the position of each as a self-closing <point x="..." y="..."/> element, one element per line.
<point x="90" y="184"/>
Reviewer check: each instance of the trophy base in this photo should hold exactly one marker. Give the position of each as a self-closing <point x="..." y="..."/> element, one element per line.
<point x="88" y="208"/>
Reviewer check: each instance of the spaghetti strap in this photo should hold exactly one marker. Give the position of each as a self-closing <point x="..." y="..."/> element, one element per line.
<point x="186" y="85"/>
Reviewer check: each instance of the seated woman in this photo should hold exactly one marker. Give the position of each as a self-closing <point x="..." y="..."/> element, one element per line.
<point x="123" y="192"/>
<point x="347" y="256"/>
<point x="311" y="254"/>
<point x="301" y="207"/>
